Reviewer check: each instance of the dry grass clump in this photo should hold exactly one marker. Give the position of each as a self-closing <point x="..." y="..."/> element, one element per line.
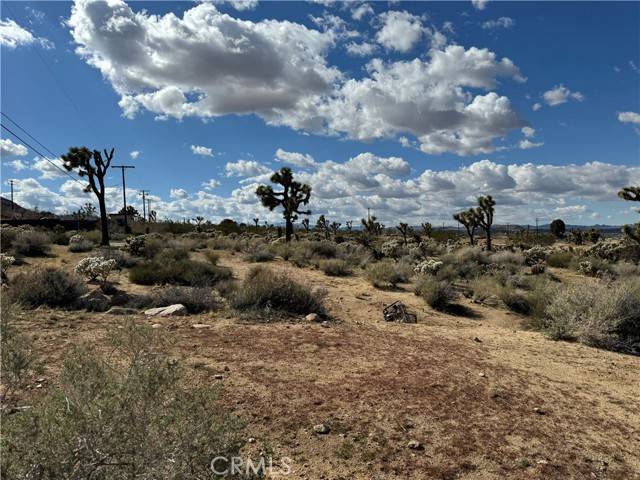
<point x="603" y="315"/>
<point x="46" y="286"/>
<point x="266" y="292"/>
<point x="387" y="274"/>
<point x="261" y="254"/>
<point x="560" y="259"/>
<point x="129" y="414"/>
<point x="335" y="268"/>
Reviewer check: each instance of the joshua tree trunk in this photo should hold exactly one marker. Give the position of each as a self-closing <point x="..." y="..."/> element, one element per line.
<point x="289" y="229"/>
<point x="489" y="240"/>
<point x="104" y="222"/>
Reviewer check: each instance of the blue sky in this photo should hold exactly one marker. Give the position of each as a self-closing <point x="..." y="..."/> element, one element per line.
<point x="409" y="108"/>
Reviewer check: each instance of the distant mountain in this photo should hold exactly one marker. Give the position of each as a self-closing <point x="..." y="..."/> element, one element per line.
<point x="6" y="211"/>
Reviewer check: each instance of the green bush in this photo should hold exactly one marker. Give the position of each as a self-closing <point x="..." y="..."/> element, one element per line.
<point x="31" y="243"/>
<point x="387" y="274"/>
<point x="129" y="414"/>
<point x="178" y="272"/>
<point x="437" y="294"/>
<point x="59" y="236"/>
<point x="82" y="245"/>
<point x="266" y="291"/>
<point x="7" y="236"/>
<point x="335" y="268"/>
<point x="560" y="259"/>
<point x="46" y="286"/>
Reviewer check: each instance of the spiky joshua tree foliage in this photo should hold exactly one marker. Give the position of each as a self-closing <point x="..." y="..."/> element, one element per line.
<point x="291" y="198"/>
<point x="257" y="222"/>
<point x="372" y="226"/>
<point x="427" y="229"/>
<point x="305" y="224"/>
<point x="349" y="224"/>
<point x="94" y="166"/>
<point x="469" y="219"/>
<point x="631" y="194"/>
<point x="404" y="230"/>
<point x="322" y="226"/>
<point x="335" y="228"/>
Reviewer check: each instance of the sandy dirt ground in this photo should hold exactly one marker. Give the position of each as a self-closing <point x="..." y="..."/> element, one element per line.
<point x="485" y="398"/>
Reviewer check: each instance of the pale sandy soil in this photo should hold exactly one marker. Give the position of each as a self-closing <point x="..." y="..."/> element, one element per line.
<point x="511" y="405"/>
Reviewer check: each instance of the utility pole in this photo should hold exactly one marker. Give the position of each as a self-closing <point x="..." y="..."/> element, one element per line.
<point x="144" y="203"/>
<point x="149" y="207"/>
<point x="13" y="208"/>
<point x="536" y="227"/>
<point x="368" y="214"/>
<point x="124" y="195"/>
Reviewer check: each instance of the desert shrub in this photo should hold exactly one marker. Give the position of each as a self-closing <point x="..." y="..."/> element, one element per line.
<point x="437" y="294"/>
<point x="94" y="236"/>
<point x="262" y="254"/>
<point x="195" y="299"/>
<point x="602" y="315"/>
<point x="31" y="243"/>
<point x="595" y="267"/>
<point x="129" y="414"/>
<point x="266" y="291"/>
<point x="58" y="235"/>
<point x="78" y="243"/>
<point x="46" y="286"/>
<point x="94" y="268"/>
<point x="485" y="288"/>
<point x="227" y="243"/>
<point x="626" y="269"/>
<point x="387" y="274"/>
<point x="147" y="246"/>
<point x="335" y="268"/>
<point x="534" y="255"/>
<point x="560" y="259"/>
<point x="18" y="357"/>
<point x="431" y="266"/>
<point x="5" y="262"/>
<point x="507" y="257"/>
<point x="212" y="257"/>
<point x="178" y="272"/>
<point x="515" y="301"/>
<point x="322" y="249"/>
<point x="7" y="236"/>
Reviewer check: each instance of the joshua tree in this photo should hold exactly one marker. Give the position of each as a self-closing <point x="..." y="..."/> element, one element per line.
<point x="469" y="219"/>
<point x="427" y="229"/>
<point x="335" y="228"/>
<point x="485" y="216"/>
<point x="349" y="224"/>
<point x="631" y="194"/>
<point x="322" y="225"/>
<point x="372" y="226"/>
<point x="92" y="165"/>
<point x="404" y="230"/>
<point x="88" y="210"/>
<point x="290" y="199"/>
<point x="557" y="228"/>
<point x="305" y="224"/>
<point x="257" y="222"/>
<point x="130" y="211"/>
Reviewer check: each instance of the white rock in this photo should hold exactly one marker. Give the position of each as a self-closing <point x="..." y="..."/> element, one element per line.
<point x="322" y="429"/>
<point x="170" y="311"/>
<point x="312" y="317"/>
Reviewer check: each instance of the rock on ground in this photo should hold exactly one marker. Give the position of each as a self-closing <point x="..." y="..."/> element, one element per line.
<point x="169" y="311"/>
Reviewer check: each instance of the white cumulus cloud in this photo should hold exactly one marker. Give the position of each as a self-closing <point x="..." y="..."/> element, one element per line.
<point x="400" y="30"/>
<point x="200" y="150"/>
<point x="13" y="35"/>
<point x="10" y="149"/>
<point x="561" y="94"/>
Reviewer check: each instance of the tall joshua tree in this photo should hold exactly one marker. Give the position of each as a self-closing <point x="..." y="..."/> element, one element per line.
<point x="469" y="219"/>
<point x="427" y="229"/>
<point x="335" y="228"/>
<point x="257" y="222"/>
<point x="305" y="224"/>
<point x="485" y="216"/>
<point x="404" y="230"/>
<point x="631" y="194"/>
<point x="94" y="166"/>
<point x="322" y="225"/>
<point x="349" y="224"/>
<point x="293" y="195"/>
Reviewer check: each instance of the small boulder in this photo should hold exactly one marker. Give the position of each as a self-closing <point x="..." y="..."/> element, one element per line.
<point x="312" y="317"/>
<point x="199" y="326"/>
<point x="122" y="311"/>
<point x="322" y="429"/>
<point x="171" y="311"/>
<point x="95" y="301"/>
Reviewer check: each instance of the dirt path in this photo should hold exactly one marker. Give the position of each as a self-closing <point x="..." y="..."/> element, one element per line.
<point x="511" y="405"/>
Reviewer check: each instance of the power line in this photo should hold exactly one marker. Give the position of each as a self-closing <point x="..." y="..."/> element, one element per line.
<point x="27" y="133"/>
<point x="40" y="153"/>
